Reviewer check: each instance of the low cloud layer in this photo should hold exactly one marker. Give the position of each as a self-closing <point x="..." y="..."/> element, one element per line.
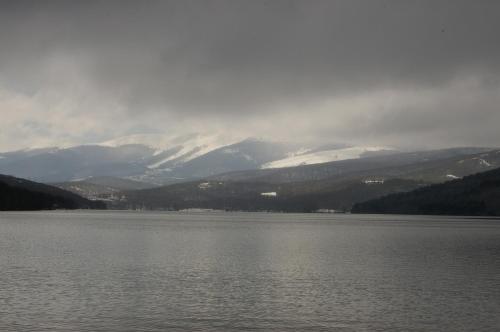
<point x="400" y="73"/>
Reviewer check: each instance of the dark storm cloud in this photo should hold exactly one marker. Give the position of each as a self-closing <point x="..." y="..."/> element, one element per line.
<point x="234" y="59"/>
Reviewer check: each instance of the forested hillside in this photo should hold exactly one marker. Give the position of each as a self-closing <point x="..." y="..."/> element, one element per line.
<point x="19" y="194"/>
<point x="477" y="194"/>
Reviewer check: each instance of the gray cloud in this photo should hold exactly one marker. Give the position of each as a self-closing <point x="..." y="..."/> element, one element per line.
<point x="325" y="68"/>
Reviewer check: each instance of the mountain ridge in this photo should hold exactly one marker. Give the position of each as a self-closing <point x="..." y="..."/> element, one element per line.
<point x="176" y="160"/>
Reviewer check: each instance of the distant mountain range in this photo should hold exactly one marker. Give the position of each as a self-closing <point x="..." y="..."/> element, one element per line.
<point x="196" y="171"/>
<point x="477" y="194"/>
<point x="20" y="194"/>
<point x="159" y="159"/>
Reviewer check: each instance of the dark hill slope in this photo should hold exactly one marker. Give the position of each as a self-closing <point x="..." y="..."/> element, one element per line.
<point x="19" y="194"/>
<point x="477" y="194"/>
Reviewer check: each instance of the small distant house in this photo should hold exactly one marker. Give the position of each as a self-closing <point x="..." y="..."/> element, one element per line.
<point x="204" y="185"/>
<point x="371" y="181"/>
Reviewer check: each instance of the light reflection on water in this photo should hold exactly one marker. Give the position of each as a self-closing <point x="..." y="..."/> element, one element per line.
<point x="127" y="271"/>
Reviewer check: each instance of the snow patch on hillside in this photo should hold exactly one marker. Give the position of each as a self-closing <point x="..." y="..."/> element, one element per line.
<point x="189" y="146"/>
<point x="303" y="157"/>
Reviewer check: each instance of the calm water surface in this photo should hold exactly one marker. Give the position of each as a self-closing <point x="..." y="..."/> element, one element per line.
<point x="129" y="271"/>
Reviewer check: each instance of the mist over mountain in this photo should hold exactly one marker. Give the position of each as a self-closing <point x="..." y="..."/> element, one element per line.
<point x="410" y="74"/>
<point x="160" y="160"/>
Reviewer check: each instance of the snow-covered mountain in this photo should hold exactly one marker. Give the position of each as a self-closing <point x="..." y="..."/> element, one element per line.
<point x="171" y="150"/>
<point x="162" y="158"/>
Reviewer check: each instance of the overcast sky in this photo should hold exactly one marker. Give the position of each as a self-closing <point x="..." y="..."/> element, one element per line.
<point x="400" y="73"/>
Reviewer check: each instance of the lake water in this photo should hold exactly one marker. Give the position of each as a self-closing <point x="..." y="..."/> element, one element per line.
<point x="131" y="271"/>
